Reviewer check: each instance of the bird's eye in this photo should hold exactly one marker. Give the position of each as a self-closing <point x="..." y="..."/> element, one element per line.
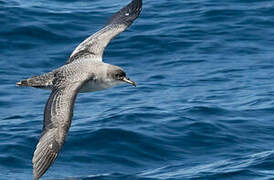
<point x="118" y="76"/>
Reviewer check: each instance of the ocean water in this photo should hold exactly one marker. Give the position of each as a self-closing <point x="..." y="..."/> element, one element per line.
<point x="203" y="107"/>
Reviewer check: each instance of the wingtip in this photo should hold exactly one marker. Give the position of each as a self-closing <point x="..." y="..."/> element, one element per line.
<point x="19" y="83"/>
<point x="127" y="14"/>
<point x="22" y="83"/>
<point x="136" y="6"/>
<point x="35" y="173"/>
<point x="35" y="177"/>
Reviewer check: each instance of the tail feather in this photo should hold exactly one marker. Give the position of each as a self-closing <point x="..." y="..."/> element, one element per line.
<point x="22" y="83"/>
<point x="43" y="81"/>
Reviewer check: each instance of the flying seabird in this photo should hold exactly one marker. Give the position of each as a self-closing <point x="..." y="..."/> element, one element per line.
<point x="83" y="72"/>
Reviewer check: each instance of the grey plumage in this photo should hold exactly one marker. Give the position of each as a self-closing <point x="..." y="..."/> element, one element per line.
<point x="83" y="72"/>
<point x="57" y="120"/>
<point x="96" y="43"/>
<point x="43" y="81"/>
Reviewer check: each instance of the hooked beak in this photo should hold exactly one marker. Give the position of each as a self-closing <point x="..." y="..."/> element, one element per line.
<point x="127" y="80"/>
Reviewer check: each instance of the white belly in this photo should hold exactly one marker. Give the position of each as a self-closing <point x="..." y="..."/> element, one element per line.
<point x="92" y="85"/>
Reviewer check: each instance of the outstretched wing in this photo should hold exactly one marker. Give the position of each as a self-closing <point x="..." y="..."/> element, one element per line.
<point x="57" y="119"/>
<point x="93" y="47"/>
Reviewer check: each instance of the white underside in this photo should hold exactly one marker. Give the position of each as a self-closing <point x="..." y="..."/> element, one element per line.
<point x="93" y="85"/>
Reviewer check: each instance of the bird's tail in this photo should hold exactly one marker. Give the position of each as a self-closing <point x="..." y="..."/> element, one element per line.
<point x="44" y="81"/>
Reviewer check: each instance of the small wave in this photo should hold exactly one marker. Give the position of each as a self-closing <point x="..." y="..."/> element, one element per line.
<point x="231" y="168"/>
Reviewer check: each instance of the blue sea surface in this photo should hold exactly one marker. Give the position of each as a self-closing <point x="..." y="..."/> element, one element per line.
<point x="203" y="107"/>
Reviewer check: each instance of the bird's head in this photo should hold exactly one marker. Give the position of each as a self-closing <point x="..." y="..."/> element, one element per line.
<point x="119" y="75"/>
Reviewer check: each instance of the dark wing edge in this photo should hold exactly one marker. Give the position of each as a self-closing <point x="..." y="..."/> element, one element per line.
<point x="127" y="14"/>
<point x="57" y="120"/>
<point x="93" y="47"/>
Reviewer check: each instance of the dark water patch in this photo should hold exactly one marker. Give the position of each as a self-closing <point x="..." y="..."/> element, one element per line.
<point x="133" y="144"/>
<point x="13" y="117"/>
<point x="266" y="162"/>
<point x="222" y="15"/>
<point x="33" y="33"/>
<point x="10" y="161"/>
<point x="202" y="110"/>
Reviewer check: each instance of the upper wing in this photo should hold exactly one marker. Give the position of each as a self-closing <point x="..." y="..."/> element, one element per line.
<point x="94" y="45"/>
<point x="57" y="119"/>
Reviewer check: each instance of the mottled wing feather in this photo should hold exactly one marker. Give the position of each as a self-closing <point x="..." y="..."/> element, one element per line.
<point x="93" y="47"/>
<point x="46" y="152"/>
<point x="57" y="119"/>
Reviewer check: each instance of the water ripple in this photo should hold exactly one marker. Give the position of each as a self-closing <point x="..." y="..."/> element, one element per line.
<point x="202" y="108"/>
